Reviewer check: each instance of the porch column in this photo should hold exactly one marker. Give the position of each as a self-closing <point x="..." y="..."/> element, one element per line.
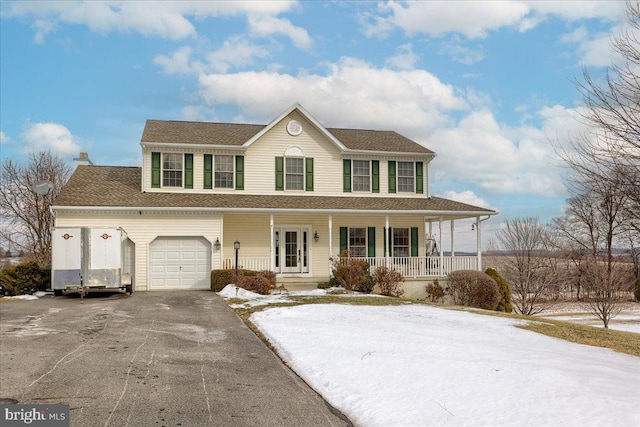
<point x="479" y="242"/>
<point x="330" y="242"/>
<point x="271" y="253"/>
<point x="386" y="237"/>
<point x="440" y="243"/>
<point x="453" y="252"/>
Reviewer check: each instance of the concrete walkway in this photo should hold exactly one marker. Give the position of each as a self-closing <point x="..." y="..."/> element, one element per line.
<point x="152" y="359"/>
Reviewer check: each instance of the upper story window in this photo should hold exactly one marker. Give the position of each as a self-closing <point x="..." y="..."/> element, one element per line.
<point x="223" y="171"/>
<point x="172" y="169"/>
<point x="361" y="175"/>
<point x="294" y="173"/>
<point x="406" y="177"/>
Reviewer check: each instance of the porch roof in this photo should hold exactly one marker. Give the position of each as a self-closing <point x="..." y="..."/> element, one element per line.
<point x="119" y="187"/>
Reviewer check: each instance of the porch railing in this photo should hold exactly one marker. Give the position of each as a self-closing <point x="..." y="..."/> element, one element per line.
<point x="256" y="264"/>
<point x="408" y="267"/>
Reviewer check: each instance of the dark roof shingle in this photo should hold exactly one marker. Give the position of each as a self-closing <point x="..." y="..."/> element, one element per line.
<point x="234" y="134"/>
<point x="116" y="186"/>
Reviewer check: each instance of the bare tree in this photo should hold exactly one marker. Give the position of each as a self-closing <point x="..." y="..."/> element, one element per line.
<point x="610" y="150"/>
<point x="26" y="217"/>
<point x="605" y="286"/>
<point x="530" y="268"/>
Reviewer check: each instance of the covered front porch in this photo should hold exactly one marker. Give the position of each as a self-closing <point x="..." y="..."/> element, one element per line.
<point x="301" y="248"/>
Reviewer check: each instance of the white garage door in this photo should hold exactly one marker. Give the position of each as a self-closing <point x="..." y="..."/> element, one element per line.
<point x="180" y="263"/>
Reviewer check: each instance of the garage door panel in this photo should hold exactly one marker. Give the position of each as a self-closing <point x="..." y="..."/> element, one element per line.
<point x="180" y="263"/>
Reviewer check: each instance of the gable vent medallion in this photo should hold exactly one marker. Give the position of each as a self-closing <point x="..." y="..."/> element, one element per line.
<point x="294" y="128"/>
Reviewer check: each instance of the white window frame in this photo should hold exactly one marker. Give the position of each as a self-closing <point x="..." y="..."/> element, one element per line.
<point x="362" y="247"/>
<point x="233" y="171"/>
<point x="287" y="174"/>
<point x="354" y="186"/>
<point x="164" y="170"/>
<point x="396" y="247"/>
<point x="400" y="187"/>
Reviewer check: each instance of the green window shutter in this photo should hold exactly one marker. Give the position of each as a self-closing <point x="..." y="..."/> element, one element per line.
<point x="414" y="241"/>
<point x="371" y="241"/>
<point x="208" y="171"/>
<point x="419" y="178"/>
<point x="155" y="170"/>
<point x="344" y="239"/>
<point x="375" y="176"/>
<point x="188" y="171"/>
<point x="279" y="173"/>
<point x="309" y="173"/>
<point x="346" y="176"/>
<point x="239" y="172"/>
<point x="392" y="176"/>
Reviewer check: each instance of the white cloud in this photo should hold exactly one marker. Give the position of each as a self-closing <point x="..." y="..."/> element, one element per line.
<point x="405" y="59"/>
<point x="476" y="19"/>
<point x="459" y="53"/>
<point x="179" y="62"/>
<point x="50" y="136"/>
<point x="468" y="197"/>
<point x="503" y="159"/>
<point x="235" y="52"/>
<point x="4" y="138"/>
<point x="166" y="19"/>
<point x="352" y="93"/>
<point x="265" y="25"/>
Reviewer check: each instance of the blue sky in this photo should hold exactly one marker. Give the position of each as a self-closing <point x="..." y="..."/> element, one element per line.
<point x="486" y="85"/>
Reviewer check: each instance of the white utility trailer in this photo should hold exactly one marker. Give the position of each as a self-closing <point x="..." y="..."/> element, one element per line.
<point x="85" y="259"/>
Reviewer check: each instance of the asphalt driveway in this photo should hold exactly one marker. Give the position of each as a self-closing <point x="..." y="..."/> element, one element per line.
<point x="152" y="359"/>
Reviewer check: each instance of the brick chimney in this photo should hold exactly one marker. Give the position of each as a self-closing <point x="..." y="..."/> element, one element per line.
<point x="83" y="160"/>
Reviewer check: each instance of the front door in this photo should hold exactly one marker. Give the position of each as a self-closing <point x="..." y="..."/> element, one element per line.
<point x="292" y="250"/>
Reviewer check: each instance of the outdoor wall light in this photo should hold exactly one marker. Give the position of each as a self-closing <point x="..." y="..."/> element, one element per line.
<point x="315" y="236"/>
<point x="236" y="245"/>
<point x="217" y="245"/>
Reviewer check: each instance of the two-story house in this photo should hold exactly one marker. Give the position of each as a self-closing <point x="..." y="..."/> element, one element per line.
<point x="292" y="194"/>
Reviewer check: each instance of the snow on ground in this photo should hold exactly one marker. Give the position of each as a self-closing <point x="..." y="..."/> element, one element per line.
<point x="417" y="365"/>
<point x="253" y="299"/>
<point x="23" y="297"/>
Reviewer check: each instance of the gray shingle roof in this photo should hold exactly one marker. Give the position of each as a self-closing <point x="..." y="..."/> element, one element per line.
<point x="234" y="134"/>
<point x="116" y="186"/>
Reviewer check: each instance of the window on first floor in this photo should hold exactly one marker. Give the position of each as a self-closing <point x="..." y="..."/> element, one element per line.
<point x="358" y="241"/>
<point x="401" y="242"/>
<point x="223" y="171"/>
<point x="172" y="169"/>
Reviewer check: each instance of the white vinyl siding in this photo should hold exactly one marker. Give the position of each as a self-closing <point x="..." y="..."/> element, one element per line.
<point x="361" y="172"/>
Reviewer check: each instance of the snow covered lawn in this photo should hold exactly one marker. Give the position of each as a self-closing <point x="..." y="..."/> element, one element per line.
<point x="417" y="365"/>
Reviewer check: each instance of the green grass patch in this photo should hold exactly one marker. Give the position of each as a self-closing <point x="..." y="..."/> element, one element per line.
<point x="620" y="341"/>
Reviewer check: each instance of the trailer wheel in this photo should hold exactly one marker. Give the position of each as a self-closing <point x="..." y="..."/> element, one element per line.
<point x="129" y="289"/>
<point x="57" y="292"/>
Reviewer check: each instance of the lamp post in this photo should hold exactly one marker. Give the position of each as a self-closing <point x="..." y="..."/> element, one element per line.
<point x="236" y="247"/>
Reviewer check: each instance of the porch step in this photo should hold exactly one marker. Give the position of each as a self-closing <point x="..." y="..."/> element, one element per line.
<point x="298" y="284"/>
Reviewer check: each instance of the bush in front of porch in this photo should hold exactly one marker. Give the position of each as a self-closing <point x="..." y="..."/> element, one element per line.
<point x="260" y="282"/>
<point x="473" y="288"/>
